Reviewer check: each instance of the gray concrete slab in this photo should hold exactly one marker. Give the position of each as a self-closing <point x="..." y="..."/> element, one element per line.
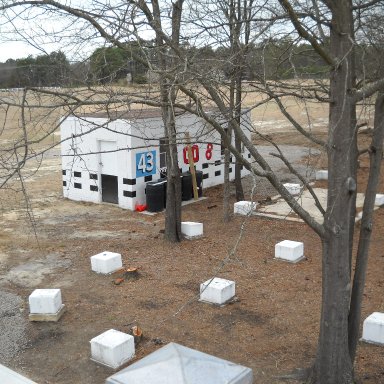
<point x="7" y="376"/>
<point x="281" y="210"/>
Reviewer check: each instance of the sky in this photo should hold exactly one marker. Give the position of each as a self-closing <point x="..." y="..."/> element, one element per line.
<point x="37" y="32"/>
<point x="16" y="50"/>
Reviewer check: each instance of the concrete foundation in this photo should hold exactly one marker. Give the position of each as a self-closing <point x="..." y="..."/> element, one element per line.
<point x="112" y="348"/>
<point x="217" y="291"/>
<point x="106" y="262"/>
<point x="379" y="199"/>
<point x="373" y="328"/>
<point x="45" y="301"/>
<point x="293" y="189"/>
<point x="191" y="229"/>
<point x="322" y="174"/>
<point x="244" y="208"/>
<point x="292" y="251"/>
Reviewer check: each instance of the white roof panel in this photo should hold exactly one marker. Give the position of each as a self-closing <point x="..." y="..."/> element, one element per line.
<point x="176" y="364"/>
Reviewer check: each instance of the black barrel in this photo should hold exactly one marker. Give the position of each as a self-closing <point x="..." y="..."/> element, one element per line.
<point x="155" y="196"/>
<point x="186" y="186"/>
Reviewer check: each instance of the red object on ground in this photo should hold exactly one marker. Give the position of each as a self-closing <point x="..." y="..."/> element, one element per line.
<point x="140" y="207"/>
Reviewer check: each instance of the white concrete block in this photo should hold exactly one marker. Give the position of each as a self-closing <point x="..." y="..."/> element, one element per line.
<point x="106" y="262"/>
<point x="379" y="199"/>
<point x="217" y="290"/>
<point x="191" y="229"/>
<point x="289" y="250"/>
<point x="293" y="189"/>
<point x="244" y="207"/>
<point x="112" y="348"/>
<point x="45" y="301"/>
<point x="322" y="174"/>
<point x="373" y="328"/>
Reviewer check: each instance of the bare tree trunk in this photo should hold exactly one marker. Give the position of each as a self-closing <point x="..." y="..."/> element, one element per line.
<point x="226" y="187"/>
<point x="376" y="155"/>
<point x="333" y="364"/>
<point x="238" y="144"/>
<point x="168" y="97"/>
<point x="173" y="208"/>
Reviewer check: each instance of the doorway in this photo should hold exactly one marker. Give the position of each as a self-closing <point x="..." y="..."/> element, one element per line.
<point x="109" y="189"/>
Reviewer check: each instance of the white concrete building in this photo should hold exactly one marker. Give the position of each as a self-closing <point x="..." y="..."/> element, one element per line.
<point x="112" y="160"/>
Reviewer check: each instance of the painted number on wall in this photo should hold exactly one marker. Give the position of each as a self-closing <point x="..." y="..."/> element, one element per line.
<point x="195" y="154"/>
<point x="145" y="163"/>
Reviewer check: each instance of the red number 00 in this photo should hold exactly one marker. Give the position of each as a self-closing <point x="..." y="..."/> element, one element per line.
<point x="195" y="154"/>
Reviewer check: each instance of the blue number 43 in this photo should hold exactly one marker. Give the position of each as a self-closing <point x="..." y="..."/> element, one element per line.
<point x="145" y="163"/>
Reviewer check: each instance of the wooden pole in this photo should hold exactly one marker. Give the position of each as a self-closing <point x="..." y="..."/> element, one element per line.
<point x="191" y="166"/>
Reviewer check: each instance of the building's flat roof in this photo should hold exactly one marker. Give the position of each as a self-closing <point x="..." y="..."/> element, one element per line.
<point x="139" y="113"/>
<point x="146" y="113"/>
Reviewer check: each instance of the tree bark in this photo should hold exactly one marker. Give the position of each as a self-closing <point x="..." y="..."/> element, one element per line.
<point x="173" y="209"/>
<point x="238" y="144"/>
<point x="168" y="96"/>
<point x="333" y="364"/>
<point x="376" y="155"/>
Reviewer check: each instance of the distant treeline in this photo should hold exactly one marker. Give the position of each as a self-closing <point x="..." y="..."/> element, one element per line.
<point x="280" y="59"/>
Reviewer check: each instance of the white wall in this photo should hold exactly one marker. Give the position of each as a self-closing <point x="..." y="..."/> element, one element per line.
<point x="137" y="155"/>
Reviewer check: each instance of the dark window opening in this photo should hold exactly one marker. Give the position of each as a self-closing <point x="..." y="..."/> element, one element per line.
<point x="64" y="172"/>
<point x="109" y="189"/>
<point x="77" y="174"/>
<point x="64" y="183"/>
<point x="77" y="185"/>
<point x="93" y="176"/>
<point x="94" y="188"/>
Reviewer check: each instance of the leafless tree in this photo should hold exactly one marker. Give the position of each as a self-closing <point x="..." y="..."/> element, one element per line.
<point x="330" y="29"/>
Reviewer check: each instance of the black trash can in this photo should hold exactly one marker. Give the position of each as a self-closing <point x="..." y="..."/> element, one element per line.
<point x="186" y="186"/>
<point x="155" y="196"/>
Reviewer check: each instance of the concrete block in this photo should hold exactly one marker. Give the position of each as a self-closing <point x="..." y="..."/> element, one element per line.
<point x="322" y="174"/>
<point x="55" y="317"/>
<point x="373" y="328"/>
<point x="379" y="199"/>
<point x="106" y="262"/>
<point x="217" y="290"/>
<point x="293" y="189"/>
<point x="45" y="301"/>
<point x="288" y="250"/>
<point x="112" y="348"/>
<point x="244" y="207"/>
<point x="191" y="229"/>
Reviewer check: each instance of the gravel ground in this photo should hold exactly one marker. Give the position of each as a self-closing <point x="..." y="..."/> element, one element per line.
<point x="12" y="326"/>
<point x="294" y="154"/>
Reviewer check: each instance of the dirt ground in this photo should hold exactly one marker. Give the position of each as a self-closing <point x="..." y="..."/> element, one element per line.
<point x="272" y="327"/>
